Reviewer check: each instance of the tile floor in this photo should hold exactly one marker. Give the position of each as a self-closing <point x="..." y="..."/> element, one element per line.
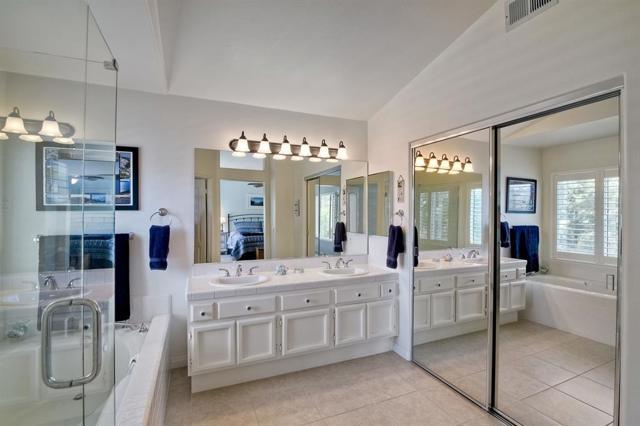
<point x="381" y="390"/>
<point x="546" y="376"/>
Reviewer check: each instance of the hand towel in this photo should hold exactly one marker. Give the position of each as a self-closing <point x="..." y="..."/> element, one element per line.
<point x="158" y="247"/>
<point x="339" y="236"/>
<point x="524" y="245"/>
<point x="395" y="246"/>
<point x="416" y="249"/>
<point x="504" y="234"/>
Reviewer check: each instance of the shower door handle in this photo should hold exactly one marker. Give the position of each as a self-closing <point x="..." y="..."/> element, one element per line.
<point x="45" y="358"/>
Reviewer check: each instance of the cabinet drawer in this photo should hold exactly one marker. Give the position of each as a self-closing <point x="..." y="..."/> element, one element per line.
<point x="357" y="293"/>
<point x="431" y="284"/>
<point x="249" y="306"/>
<point x="507" y="275"/>
<point x="389" y="289"/>
<point x="468" y="280"/>
<point x="306" y="299"/>
<point x="201" y="312"/>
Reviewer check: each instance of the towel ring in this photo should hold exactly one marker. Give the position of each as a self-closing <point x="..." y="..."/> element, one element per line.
<point x="162" y="212"/>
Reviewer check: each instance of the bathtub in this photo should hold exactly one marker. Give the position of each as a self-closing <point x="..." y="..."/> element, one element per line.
<point x="581" y="307"/>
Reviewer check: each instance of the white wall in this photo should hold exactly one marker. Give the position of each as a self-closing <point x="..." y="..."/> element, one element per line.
<point x="487" y="72"/>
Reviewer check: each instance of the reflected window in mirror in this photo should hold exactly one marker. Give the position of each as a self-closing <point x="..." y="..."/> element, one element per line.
<point x="380" y="203"/>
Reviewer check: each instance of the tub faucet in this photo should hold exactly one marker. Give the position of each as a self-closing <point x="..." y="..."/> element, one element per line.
<point x="239" y="270"/>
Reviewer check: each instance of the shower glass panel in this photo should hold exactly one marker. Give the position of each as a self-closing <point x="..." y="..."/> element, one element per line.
<point x="556" y="337"/>
<point x="57" y="216"/>
<point x="451" y="286"/>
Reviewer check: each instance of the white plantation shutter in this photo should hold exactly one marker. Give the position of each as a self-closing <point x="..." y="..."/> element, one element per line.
<point x="439" y="216"/>
<point x="475" y="217"/>
<point x="610" y="220"/>
<point x="576" y="215"/>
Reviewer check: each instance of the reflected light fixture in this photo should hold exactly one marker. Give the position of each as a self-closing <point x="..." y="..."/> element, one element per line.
<point x="332" y="160"/>
<point x="433" y="165"/>
<point x="285" y="147"/>
<point x="324" y="150"/>
<point x="31" y="138"/>
<point x="243" y="144"/>
<point x="419" y="163"/>
<point x="279" y="157"/>
<point x="457" y="165"/>
<point x="265" y="147"/>
<point x="3" y="136"/>
<point x="315" y="159"/>
<point x="305" y="151"/>
<point x="50" y="127"/>
<point x="444" y="165"/>
<point x="64" y="141"/>
<point x="468" y="166"/>
<point x="14" y="123"/>
<point x="342" y="152"/>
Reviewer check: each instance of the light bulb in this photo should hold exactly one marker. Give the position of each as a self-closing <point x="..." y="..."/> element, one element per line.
<point x="305" y="151"/>
<point x="64" y="141"/>
<point x="31" y="138"/>
<point x="285" y="147"/>
<point x="324" y="150"/>
<point x="342" y="152"/>
<point x="457" y="165"/>
<point x="265" y="147"/>
<point x="243" y="144"/>
<point x="14" y="123"/>
<point x="468" y="167"/>
<point x="433" y="165"/>
<point x="50" y="127"/>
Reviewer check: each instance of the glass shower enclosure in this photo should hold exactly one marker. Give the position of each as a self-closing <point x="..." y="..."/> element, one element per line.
<point x="58" y="83"/>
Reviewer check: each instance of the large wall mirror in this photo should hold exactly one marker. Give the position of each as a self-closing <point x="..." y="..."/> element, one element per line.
<point x="380" y="203"/>
<point x="250" y="209"/>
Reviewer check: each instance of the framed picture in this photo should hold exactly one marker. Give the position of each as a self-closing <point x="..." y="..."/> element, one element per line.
<point x="521" y="195"/>
<point x="77" y="176"/>
<point x="255" y="201"/>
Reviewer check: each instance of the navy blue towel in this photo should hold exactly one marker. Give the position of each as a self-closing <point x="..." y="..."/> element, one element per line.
<point x="339" y="236"/>
<point x="395" y="245"/>
<point x="416" y="250"/>
<point x="158" y="247"/>
<point x="524" y="245"/>
<point x="504" y="234"/>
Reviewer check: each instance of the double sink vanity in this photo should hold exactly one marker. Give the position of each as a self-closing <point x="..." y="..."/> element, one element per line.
<point x="247" y="327"/>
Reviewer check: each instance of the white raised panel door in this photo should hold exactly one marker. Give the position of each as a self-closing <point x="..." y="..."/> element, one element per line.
<point x="306" y="331"/>
<point x="256" y="339"/>
<point x="443" y="311"/>
<point x="470" y="304"/>
<point x="213" y="346"/>
<point x="518" y="295"/>
<point x="505" y="298"/>
<point x="350" y="324"/>
<point x="421" y="312"/>
<point x="381" y="319"/>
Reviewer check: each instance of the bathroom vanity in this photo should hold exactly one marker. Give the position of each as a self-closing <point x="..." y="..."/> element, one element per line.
<point x="287" y="323"/>
<point x="450" y="298"/>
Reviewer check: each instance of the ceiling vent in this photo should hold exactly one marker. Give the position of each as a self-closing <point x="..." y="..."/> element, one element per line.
<point x="520" y="11"/>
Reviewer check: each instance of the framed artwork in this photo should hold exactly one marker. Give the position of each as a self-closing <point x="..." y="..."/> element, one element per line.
<point x="255" y="201"/>
<point x="521" y="195"/>
<point x="74" y="177"/>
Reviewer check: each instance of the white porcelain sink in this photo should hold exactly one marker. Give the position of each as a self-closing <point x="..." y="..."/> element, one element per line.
<point x="240" y="281"/>
<point x="344" y="272"/>
<point x="427" y="265"/>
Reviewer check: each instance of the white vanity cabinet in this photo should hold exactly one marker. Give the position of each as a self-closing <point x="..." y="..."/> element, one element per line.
<point x="443" y="308"/>
<point x="471" y="304"/>
<point x="235" y="334"/>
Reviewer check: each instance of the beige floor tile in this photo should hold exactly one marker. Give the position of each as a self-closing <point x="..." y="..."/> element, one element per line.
<point x="413" y="409"/>
<point x="543" y="371"/>
<point x="569" y="359"/>
<point x="594" y="394"/>
<point x="458" y="408"/>
<point x="474" y="385"/>
<point x="523" y="413"/>
<point x="604" y="374"/>
<point x="566" y="410"/>
<point x="282" y="407"/>
<point x="484" y="420"/>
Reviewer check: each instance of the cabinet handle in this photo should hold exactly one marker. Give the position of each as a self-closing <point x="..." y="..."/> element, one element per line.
<point x="248" y="308"/>
<point x="307" y="300"/>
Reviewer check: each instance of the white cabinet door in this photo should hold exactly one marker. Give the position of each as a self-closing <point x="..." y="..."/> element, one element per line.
<point x="381" y="319"/>
<point x="518" y="295"/>
<point x="306" y="331"/>
<point x="505" y="301"/>
<point x="213" y="346"/>
<point x="470" y="304"/>
<point x="421" y="312"/>
<point x="350" y="324"/>
<point x="443" y="308"/>
<point x="256" y="339"/>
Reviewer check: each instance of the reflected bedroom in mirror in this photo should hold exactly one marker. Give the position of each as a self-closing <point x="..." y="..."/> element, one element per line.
<point x="252" y="208"/>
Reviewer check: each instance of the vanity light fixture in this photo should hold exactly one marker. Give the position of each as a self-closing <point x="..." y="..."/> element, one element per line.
<point x="456" y="167"/>
<point x="305" y="151"/>
<point x="3" y="136"/>
<point x="332" y="160"/>
<point x="50" y="127"/>
<point x="342" y="152"/>
<point x="14" y="123"/>
<point x="419" y="164"/>
<point x="265" y="146"/>
<point x="279" y="156"/>
<point x="64" y="141"/>
<point x="315" y="159"/>
<point x="324" y="150"/>
<point x="433" y="164"/>
<point x="444" y="165"/>
<point x="31" y="138"/>
<point x="468" y="166"/>
<point x="243" y="144"/>
<point x="296" y="157"/>
<point x="285" y="147"/>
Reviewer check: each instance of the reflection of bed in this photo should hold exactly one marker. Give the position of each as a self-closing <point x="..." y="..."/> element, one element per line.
<point x="246" y="236"/>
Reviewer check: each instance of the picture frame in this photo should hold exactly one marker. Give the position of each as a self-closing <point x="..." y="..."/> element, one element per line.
<point x="521" y="195"/>
<point x="255" y="201"/>
<point x="82" y="176"/>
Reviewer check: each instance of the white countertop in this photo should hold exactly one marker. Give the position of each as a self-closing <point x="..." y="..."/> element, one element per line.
<point x="199" y="287"/>
<point x="461" y="267"/>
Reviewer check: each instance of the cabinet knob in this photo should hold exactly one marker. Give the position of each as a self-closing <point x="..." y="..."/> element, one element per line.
<point x="203" y="313"/>
<point x="437" y="284"/>
<point x="307" y="300"/>
<point x="359" y="294"/>
<point x="248" y="308"/>
<point x="390" y="290"/>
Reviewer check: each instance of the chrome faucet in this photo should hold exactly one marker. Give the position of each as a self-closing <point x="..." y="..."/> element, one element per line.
<point x="282" y="270"/>
<point x="70" y="283"/>
<point x="327" y="263"/>
<point x="226" y="271"/>
<point x="239" y="270"/>
<point x="473" y="254"/>
<point x="339" y="263"/>
<point x="50" y="280"/>
<point x="347" y="262"/>
<point x="252" y="269"/>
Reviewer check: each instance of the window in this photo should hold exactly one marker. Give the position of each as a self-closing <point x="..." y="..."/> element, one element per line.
<point x="475" y="216"/>
<point x="437" y="215"/>
<point x="586" y="216"/>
